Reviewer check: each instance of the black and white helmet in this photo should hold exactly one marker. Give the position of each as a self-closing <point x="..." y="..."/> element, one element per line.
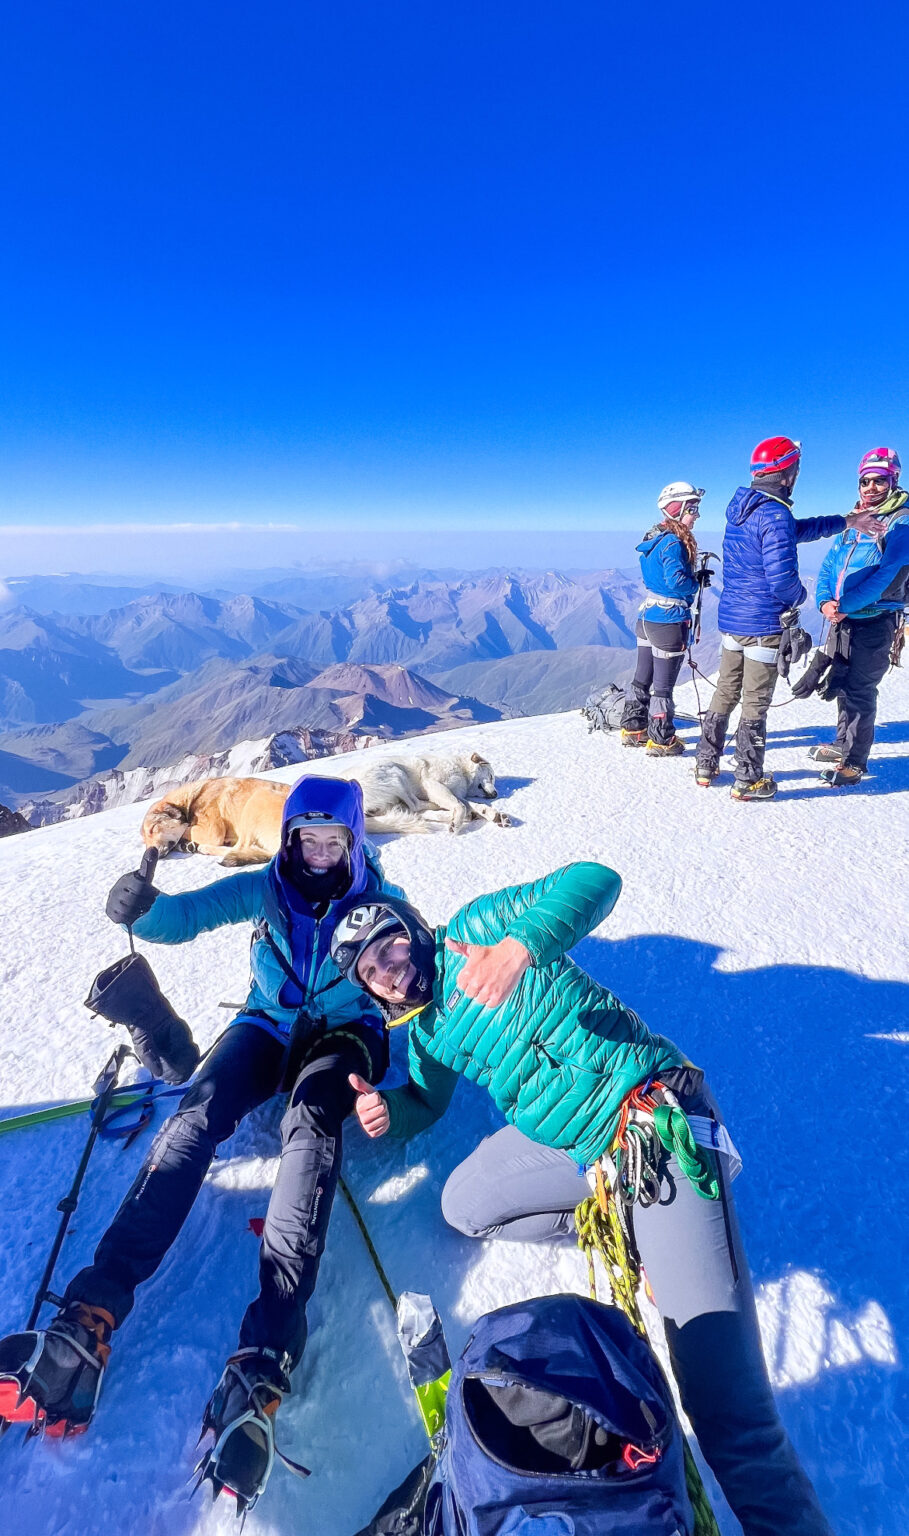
<point x="367" y="921"/>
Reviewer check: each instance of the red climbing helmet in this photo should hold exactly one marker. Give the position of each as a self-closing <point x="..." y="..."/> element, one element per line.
<point x="774" y="454"/>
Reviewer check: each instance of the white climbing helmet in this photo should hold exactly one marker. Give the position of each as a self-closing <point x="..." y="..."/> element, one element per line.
<point x="678" y="494"/>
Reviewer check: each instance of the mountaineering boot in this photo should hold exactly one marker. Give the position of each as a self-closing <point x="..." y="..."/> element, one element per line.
<point x="843" y="777"/>
<point x="50" y="1378"/>
<point x="750" y="746"/>
<point x="710" y="747"/>
<point x="761" y="789"/>
<point x="673" y="748"/>
<point x="634" y="738"/>
<point x="241" y="1416"/>
<point x="829" y="752"/>
<point x="127" y="993"/>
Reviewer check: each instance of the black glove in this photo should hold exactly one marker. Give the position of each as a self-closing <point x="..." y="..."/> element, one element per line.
<point x="133" y="895"/>
<point x="811" y="678"/>
<point x="704" y="576"/>
<point x="127" y="993"/>
<point x="795" y="642"/>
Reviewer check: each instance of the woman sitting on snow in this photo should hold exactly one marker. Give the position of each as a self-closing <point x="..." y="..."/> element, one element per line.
<point x="304" y="1030"/>
<point x="668" y="559"/>
<point x="493" y="995"/>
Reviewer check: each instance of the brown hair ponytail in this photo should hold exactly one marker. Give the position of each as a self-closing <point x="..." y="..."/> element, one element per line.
<point x="685" y="537"/>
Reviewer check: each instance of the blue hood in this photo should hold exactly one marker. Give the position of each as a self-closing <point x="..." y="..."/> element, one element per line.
<point x="338" y="799"/>
<point x="745" y="501"/>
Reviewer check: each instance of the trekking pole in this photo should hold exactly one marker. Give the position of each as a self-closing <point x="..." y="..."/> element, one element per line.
<point x="104" y="1088"/>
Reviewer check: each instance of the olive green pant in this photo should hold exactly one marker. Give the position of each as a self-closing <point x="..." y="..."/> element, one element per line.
<point x="744" y="677"/>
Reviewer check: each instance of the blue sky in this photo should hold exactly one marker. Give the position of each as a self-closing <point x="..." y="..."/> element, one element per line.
<point x="423" y="266"/>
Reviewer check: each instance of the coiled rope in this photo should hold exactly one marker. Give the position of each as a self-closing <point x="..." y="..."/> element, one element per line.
<point x="600" y="1231"/>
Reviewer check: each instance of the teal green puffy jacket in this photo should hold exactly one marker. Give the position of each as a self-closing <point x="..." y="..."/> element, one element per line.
<point x="561" y="1053"/>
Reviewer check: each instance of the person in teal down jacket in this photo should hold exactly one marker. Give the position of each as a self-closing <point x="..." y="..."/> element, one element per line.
<point x="493" y="995"/>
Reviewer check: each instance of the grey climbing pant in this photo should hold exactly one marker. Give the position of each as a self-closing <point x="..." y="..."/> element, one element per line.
<point x="692" y="1253"/>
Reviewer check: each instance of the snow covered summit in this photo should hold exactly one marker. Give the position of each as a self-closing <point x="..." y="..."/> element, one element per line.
<point x="766" y="939"/>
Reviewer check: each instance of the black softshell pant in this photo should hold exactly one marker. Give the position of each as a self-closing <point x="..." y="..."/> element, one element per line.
<point x="869" y="642"/>
<point x="245" y="1068"/>
<point x="661" y="651"/>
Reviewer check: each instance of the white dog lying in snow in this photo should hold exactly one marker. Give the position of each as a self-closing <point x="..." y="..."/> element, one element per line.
<point x="411" y="794"/>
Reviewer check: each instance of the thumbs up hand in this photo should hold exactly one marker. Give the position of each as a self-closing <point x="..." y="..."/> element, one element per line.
<point x="132" y="895"/>
<point x="492" y="971"/>
<point x="369" y="1107"/>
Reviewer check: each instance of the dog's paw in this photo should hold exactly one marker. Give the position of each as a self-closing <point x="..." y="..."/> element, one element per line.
<point x="502" y="819"/>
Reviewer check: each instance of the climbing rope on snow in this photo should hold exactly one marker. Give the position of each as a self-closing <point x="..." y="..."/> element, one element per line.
<point x="371" y="1247"/>
<point x="601" y="1232"/>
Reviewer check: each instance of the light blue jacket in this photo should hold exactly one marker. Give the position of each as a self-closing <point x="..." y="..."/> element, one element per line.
<point x="667" y="574"/>
<point x="866" y="577"/>
<point x="300" y="932"/>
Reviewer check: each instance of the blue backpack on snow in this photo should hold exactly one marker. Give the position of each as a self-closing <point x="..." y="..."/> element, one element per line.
<point x="559" y="1423"/>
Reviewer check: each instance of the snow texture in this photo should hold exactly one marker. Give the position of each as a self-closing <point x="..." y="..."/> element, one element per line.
<point x="767" y="939"/>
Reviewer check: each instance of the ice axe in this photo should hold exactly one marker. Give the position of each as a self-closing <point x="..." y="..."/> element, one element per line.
<point x="703" y="579"/>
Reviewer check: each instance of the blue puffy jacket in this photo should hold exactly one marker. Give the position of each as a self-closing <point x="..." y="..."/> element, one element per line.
<point x="865" y="578"/>
<point x="760" y="562"/>
<point x="264" y="897"/>
<point x="667" y="575"/>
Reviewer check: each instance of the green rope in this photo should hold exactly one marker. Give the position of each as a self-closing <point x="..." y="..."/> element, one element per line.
<point x="62" y="1111"/>
<point x="674" y="1132"/>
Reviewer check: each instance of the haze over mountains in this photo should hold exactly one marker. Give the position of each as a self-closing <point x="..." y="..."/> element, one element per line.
<point x="171" y="673"/>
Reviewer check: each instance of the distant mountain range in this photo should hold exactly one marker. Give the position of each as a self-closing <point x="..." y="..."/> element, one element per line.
<point x="171" y="673"/>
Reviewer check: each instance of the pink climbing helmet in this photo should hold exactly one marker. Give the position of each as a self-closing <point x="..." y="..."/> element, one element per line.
<point x="881" y="461"/>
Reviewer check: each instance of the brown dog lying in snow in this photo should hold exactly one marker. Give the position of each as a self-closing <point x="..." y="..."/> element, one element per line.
<point x="241" y="818"/>
<point x="237" y="819"/>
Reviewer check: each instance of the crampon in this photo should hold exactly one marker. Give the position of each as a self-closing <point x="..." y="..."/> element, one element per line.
<point x="241" y="1417"/>
<point x="50" y="1378"/>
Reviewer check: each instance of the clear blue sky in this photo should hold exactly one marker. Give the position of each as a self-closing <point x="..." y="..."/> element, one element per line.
<point x="354" y="264"/>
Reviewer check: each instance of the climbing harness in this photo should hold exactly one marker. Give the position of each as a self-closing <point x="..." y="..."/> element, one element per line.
<point x="650" y="1120"/>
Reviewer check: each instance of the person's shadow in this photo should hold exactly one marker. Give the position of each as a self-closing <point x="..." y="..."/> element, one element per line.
<point x="806" y="1062"/>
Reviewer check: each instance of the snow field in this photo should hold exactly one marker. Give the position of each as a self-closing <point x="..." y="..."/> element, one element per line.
<point x="766" y="939"/>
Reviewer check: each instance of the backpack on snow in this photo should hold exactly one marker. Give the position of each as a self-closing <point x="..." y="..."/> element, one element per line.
<point x="559" y="1423"/>
<point x="603" y="710"/>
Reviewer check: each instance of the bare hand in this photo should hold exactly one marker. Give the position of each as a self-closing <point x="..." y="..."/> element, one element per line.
<point x="369" y="1107"/>
<point x="831" y="611"/>
<point x="492" y="971"/>
<point x="865" y="521"/>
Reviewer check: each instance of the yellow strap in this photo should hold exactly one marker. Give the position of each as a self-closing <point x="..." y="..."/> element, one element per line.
<point x="406" y="1017"/>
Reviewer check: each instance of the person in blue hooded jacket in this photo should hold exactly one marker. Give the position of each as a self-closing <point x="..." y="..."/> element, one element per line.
<point x="862" y="589"/>
<point x="759" y="602"/>
<point x="668" y="567"/>
<point x="304" y="1029"/>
